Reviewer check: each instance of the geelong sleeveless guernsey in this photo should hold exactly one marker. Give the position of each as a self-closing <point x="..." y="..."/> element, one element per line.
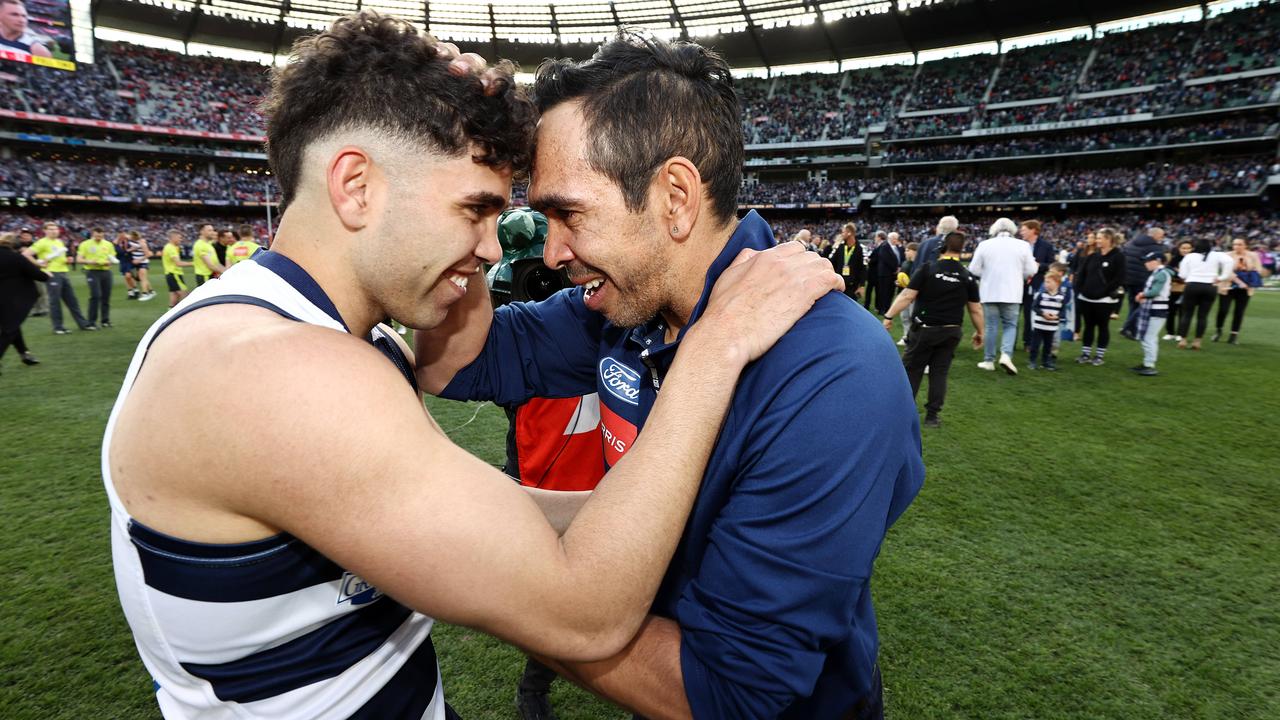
<point x="269" y="628"/>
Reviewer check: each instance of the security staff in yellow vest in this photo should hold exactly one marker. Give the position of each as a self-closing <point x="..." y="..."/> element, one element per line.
<point x="244" y="248"/>
<point x="96" y="255"/>
<point x="204" y="256"/>
<point x="50" y="253"/>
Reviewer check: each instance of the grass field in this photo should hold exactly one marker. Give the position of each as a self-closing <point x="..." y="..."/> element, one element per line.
<point x="1088" y="544"/>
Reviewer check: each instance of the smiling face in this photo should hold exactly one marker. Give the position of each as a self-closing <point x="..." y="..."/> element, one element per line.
<point x="619" y="255"/>
<point x="435" y="227"/>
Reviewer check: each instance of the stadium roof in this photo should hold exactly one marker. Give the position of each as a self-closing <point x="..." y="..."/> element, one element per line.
<point x="749" y="33"/>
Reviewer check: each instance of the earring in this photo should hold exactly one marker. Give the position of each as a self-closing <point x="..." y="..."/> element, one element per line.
<point x="675" y="230"/>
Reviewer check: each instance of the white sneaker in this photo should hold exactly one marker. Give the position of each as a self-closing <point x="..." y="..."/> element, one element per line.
<point x="986" y="365"/>
<point x="1169" y="337"/>
<point x="926" y="369"/>
<point x="903" y="341"/>
<point x="1007" y="363"/>
<point x="146" y="296"/>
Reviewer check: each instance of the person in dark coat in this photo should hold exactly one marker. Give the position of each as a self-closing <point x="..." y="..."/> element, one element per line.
<point x="931" y="248"/>
<point x="18" y="278"/>
<point x="846" y="259"/>
<point x="886" y="262"/>
<point x="1135" y="269"/>
<point x="1042" y="251"/>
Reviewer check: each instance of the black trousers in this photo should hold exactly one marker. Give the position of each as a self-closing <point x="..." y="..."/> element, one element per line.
<point x="1239" y="297"/>
<point x="884" y="293"/>
<point x="1041" y="342"/>
<point x="99" y="294"/>
<point x="1175" y="306"/>
<point x="1097" y="322"/>
<point x="1197" y="299"/>
<point x="13" y="338"/>
<point x="934" y="348"/>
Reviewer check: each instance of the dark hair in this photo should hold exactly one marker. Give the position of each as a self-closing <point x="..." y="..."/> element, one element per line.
<point x="646" y="101"/>
<point x="1203" y="245"/>
<point x="368" y="70"/>
<point x="954" y="242"/>
<point x="97" y="229"/>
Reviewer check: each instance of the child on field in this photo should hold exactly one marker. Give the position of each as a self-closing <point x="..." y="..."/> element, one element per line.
<point x="1046" y="316"/>
<point x="1153" y="310"/>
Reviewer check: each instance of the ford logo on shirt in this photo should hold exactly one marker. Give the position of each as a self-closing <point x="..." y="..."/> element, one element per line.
<point x="621" y="381"/>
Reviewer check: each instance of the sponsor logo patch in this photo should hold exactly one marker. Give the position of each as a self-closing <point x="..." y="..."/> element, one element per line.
<point x="617" y="433"/>
<point x="356" y="591"/>
<point x="621" y="381"/>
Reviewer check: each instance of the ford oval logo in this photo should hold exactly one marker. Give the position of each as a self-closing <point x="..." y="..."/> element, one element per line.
<point x="621" y="381"/>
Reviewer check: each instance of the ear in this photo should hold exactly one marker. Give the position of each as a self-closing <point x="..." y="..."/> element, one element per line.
<point x="680" y="196"/>
<point x="348" y="179"/>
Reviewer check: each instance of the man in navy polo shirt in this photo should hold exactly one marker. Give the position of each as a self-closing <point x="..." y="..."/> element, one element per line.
<point x="766" y="608"/>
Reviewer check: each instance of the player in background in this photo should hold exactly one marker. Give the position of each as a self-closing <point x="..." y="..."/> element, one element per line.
<point x="171" y="260"/>
<point x="204" y="256"/>
<point x="125" y="261"/>
<point x="140" y="256"/>
<point x="244" y="248"/>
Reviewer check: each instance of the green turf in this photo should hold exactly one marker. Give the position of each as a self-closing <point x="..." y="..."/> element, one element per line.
<point x="1088" y="544"/>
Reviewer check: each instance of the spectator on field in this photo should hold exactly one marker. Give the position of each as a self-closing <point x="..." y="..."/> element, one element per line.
<point x="1048" y="306"/>
<point x="886" y="263"/>
<point x="1002" y="263"/>
<point x="18" y="279"/>
<point x="1099" y="286"/>
<point x="1248" y="275"/>
<point x="846" y="259"/>
<point x="1043" y="253"/>
<point x="1067" y="325"/>
<point x="941" y="292"/>
<point x="932" y="246"/>
<point x="1204" y="271"/>
<point x="1153" y="308"/>
<point x="1135" y="268"/>
<point x="1175" y="291"/>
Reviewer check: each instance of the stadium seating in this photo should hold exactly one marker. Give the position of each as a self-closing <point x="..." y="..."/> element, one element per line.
<point x="1040" y="71"/>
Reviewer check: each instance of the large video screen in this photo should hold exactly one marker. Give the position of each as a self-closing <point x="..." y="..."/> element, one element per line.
<point x="37" y="32"/>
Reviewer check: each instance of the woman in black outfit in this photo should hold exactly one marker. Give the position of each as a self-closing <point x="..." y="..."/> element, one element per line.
<point x="1099" y="283"/>
<point x="1183" y="249"/>
<point x="18" y="278"/>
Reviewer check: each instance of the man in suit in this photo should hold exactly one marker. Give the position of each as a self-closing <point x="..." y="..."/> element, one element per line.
<point x="1042" y="252"/>
<point x="886" y="261"/>
<point x="876" y="241"/>
<point x="846" y="259"/>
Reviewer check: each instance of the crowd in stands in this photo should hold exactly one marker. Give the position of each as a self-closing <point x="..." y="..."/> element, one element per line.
<point x="1152" y="180"/>
<point x="1238" y="41"/>
<point x="953" y="82"/>
<point x="804" y="191"/>
<point x="156" y="87"/>
<point x="1149" y="56"/>
<point x="1040" y="71"/>
<point x="95" y="176"/>
<point x="133" y="84"/>
<point x="1104" y="138"/>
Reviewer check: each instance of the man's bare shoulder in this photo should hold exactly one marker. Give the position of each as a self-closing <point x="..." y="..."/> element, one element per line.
<point x="233" y="393"/>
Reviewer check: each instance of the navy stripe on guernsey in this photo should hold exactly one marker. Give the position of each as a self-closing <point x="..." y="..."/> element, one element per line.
<point x="1047" y="303"/>
<point x="319" y="655"/>
<point x="237" y="572"/>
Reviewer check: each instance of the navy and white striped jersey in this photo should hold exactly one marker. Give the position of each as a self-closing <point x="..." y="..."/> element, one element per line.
<point x="270" y="628"/>
<point x="1046" y="303"/>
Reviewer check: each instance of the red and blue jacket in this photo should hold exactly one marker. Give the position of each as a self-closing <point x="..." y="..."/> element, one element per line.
<point x="818" y="456"/>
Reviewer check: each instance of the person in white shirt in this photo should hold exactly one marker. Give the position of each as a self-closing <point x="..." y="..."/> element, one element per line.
<point x="1204" y="270"/>
<point x="1002" y="263"/>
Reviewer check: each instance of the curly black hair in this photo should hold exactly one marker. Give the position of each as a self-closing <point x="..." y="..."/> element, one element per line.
<point x="373" y="71"/>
